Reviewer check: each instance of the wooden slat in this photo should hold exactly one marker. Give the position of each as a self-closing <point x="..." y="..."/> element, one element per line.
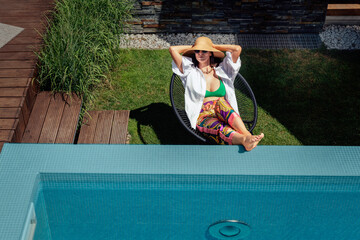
<point x="15" y="64"/>
<point x="1" y="145"/>
<point x="8" y="124"/>
<point x="10" y="112"/>
<point x="12" y="92"/>
<point x="30" y="98"/>
<point x="106" y="127"/>
<point x="20" y="128"/>
<point x="343" y="10"/>
<point x="88" y="127"/>
<point x="14" y="82"/>
<point x="20" y="48"/>
<point x="25" y="1"/>
<point x="52" y="119"/>
<point x="69" y="120"/>
<point x="17" y="55"/>
<point x="34" y="126"/>
<point x="6" y="135"/>
<point x="31" y="32"/>
<point x="32" y="26"/>
<point x="343" y="6"/>
<point x="119" y="127"/>
<point x="25" y="111"/>
<point x="10" y="102"/>
<point x="13" y="19"/>
<point x="18" y="11"/>
<point x="23" y="12"/>
<point x="103" y="127"/>
<point x="25" y="40"/>
<point x="29" y="6"/>
<point x="16" y="73"/>
<point x="16" y="5"/>
<point x="19" y="20"/>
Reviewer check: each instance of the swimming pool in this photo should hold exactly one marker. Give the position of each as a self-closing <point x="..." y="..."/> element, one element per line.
<point x="177" y="192"/>
<point x="183" y="207"/>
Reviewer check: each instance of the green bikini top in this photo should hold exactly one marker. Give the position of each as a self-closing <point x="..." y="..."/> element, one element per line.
<point x="220" y="92"/>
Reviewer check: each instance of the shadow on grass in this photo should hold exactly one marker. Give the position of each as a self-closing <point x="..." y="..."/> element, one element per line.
<point x="315" y="95"/>
<point x="165" y="124"/>
<point x="161" y="118"/>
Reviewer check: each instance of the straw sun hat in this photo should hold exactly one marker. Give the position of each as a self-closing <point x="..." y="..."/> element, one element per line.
<point x="205" y="44"/>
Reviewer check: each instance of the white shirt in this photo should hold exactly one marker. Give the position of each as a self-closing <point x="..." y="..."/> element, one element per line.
<point x="194" y="83"/>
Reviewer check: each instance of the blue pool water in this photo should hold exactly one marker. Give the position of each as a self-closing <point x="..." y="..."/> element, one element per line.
<point x="131" y="206"/>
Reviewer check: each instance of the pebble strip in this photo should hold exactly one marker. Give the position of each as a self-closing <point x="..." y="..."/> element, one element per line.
<point x="164" y="41"/>
<point x="333" y="36"/>
<point x="341" y="37"/>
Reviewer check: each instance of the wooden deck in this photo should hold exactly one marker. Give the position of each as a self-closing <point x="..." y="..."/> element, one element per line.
<point x="17" y="65"/>
<point x="29" y="117"/>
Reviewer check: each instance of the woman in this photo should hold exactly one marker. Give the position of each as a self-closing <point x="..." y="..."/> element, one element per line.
<point x="210" y="101"/>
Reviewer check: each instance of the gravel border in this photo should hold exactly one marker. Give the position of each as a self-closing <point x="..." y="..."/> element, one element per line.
<point x="341" y="37"/>
<point x="333" y="37"/>
<point x="164" y="41"/>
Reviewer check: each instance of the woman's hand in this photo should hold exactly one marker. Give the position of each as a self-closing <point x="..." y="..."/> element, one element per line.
<point x="175" y="52"/>
<point x="234" y="49"/>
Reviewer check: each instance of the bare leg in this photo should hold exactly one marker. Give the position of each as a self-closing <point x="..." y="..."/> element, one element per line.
<point x="247" y="140"/>
<point x="239" y="126"/>
<point x="223" y="109"/>
<point x="243" y="136"/>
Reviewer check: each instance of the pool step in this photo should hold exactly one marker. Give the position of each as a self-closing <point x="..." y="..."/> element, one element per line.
<point x="104" y="127"/>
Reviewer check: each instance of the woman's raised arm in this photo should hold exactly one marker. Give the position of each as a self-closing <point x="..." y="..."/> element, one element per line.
<point x="234" y="49"/>
<point x="175" y="52"/>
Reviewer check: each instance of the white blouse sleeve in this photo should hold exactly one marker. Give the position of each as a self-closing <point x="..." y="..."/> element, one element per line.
<point x="187" y="66"/>
<point x="229" y="67"/>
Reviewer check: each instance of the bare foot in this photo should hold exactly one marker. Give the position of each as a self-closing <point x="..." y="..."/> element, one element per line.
<point x="251" y="141"/>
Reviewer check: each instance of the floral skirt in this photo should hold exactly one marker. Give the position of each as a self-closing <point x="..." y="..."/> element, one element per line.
<point x="215" y="121"/>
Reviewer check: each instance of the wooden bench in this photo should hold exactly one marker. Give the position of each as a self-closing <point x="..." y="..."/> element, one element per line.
<point x="53" y="119"/>
<point x="343" y="14"/>
<point x="343" y="10"/>
<point x="104" y="127"/>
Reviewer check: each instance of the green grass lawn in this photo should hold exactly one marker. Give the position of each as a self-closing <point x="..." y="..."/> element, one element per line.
<point x="304" y="97"/>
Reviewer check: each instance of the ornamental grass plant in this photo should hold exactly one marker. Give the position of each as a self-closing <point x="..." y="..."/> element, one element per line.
<point x="80" y="44"/>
